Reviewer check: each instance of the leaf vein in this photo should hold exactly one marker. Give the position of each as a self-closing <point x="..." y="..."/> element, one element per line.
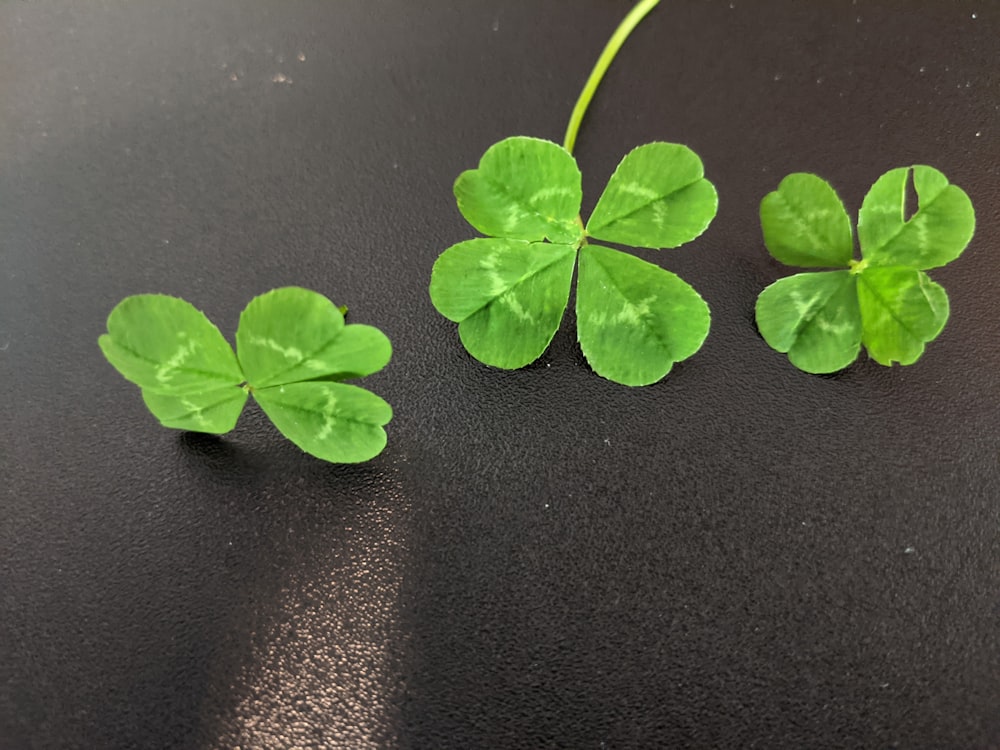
<point x="523" y="203"/>
<point x="903" y="227"/>
<point x="647" y="204"/>
<point x="519" y="281"/>
<point x="155" y="364"/>
<point x="890" y="311"/>
<point x="306" y="410"/>
<point x="643" y="318"/>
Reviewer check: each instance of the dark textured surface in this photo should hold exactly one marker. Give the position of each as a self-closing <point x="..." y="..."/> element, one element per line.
<point x="739" y="556"/>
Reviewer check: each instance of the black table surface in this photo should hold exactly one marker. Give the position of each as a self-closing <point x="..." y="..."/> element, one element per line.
<point x="741" y="555"/>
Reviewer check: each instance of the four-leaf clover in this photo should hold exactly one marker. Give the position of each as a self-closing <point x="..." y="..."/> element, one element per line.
<point x="292" y="351"/>
<point x="508" y="291"/>
<point x="885" y="300"/>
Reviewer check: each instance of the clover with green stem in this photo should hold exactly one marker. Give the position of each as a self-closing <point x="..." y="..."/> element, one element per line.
<point x="508" y="291"/>
<point x="292" y="352"/>
<point x="885" y="300"/>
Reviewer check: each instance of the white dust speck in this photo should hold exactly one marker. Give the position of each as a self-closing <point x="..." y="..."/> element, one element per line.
<point x="884" y="685"/>
<point x="819" y="80"/>
<point x="6" y="346"/>
<point x="280" y="78"/>
<point x="923" y="68"/>
<point x="166" y="242"/>
<point x="607" y="441"/>
<point x="732" y="5"/>
<point x="546" y="505"/>
<point x="301" y="57"/>
<point x="973" y="15"/>
<point x="496" y="24"/>
<point x="979" y="133"/>
<point x="909" y="550"/>
<point x="233" y="77"/>
<point x="859" y="19"/>
<point x="777" y="76"/>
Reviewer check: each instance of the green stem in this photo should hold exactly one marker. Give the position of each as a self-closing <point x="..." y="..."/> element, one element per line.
<point x="603" y="63"/>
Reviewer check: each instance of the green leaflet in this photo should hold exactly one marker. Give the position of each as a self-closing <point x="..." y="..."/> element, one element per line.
<point x="657" y="198"/>
<point x="214" y="411"/>
<point x="511" y="299"/>
<point x="286" y="336"/>
<point x="508" y="294"/>
<point x="333" y="421"/>
<point x="524" y="189"/>
<point x="291" y="343"/>
<point x="936" y="234"/>
<point x="166" y="345"/>
<point x="901" y="310"/>
<point x="812" y="317"/>
<point x="884" y="301"/>
<point x="635" y="320"/>
<point x="805" y="224"/>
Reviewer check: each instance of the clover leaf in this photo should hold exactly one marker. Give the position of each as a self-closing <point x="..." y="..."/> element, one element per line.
<point x="508" y="292"/>
<point x="884" y="301"/>
<point x="293" y="351"/>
